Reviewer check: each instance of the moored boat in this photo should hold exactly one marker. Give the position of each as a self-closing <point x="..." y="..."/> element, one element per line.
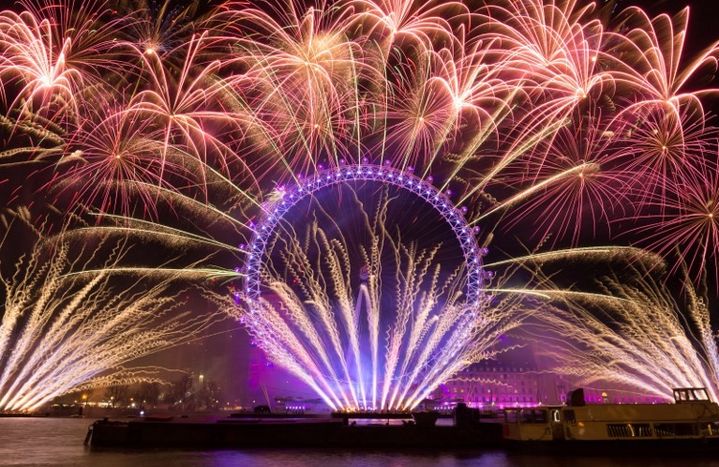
<point x="689" y="425"/>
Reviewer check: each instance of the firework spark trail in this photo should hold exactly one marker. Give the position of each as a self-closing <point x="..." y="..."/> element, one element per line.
<point x="663" y="149"/>
<point x="287" y="86"/>
<point x="518" y="107"/>
<point x="687" y="218"/>
<point x="653" y="61"/>
<point x="182" y="104"/>
<point x="53" y="51"/>
<point x="634" y="334"/>
<point x="313" y="328"/>
<point x="576" y="190"/>
<point x="30" y="56"/>
<point x="60" y="332"/>
<point x="554" y="46"/>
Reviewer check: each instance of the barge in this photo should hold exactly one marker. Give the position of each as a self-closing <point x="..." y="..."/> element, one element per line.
<point x="327" y="432"/>
<point x="688" y="426"/>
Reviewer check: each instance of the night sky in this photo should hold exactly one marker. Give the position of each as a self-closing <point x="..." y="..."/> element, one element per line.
<point x="228" y="357"/>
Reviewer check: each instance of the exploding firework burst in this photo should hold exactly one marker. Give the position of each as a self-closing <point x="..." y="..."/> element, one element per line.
<point x="634" y="335"/>
<point x="66" y="328"/>
<point x="367" y="318"/>
<point x="553" y="120"/>
<point x="487" y="98"/>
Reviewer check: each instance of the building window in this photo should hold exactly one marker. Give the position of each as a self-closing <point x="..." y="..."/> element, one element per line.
<point x="629" y="430"/>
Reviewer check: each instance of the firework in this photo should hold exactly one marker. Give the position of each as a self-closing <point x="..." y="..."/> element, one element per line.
<point x="684" y="222"/>
<point x="371" y="324"/>
<point x="550" y="121"/>
<point x="577" y="191"/>
<point x="634" y="335"/>
<point x="650" y="59"/>
<point x="62" y="332"/>
<point x="51" y="52"/>
<point x="273" y="91"/>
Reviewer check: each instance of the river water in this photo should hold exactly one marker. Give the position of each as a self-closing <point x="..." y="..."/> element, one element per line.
<point x="58" y="442"/>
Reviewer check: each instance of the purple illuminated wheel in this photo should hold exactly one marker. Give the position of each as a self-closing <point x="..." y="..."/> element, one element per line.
<point x="273" y="214"/>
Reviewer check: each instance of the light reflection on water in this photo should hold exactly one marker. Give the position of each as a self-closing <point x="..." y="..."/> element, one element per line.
<point x="54" y="441"/>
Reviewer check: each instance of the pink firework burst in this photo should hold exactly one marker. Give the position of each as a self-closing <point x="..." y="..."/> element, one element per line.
<point x="684" y="222"/>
